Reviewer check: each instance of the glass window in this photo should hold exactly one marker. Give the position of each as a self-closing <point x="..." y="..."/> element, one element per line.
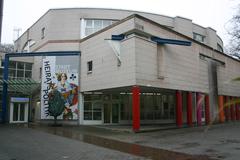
<point x="97" y="115"/>
<point x="89" y="66"/>
<point x="87" y="97"/>
<point x="198" y="37"/>
<point x="43" y="33"/>
<point x="97" y="106"/>
<point x="98" y="24"/>
<point x="219" y="47"/>
<point x="115" y="96"/>
<point x="20" y="65"/>
<point x="1" y="73"/>
<point x="94" y="25"/>
<point x="28" y="74"/>
<point x="12" y="64"/>
<point x="15" y="111"/>
<point x="89" y="31"/>
<point x="106" y="23"/>
<point x="96" y="97"/>
<point x="87" y="106"/>
<point x="20" y="74"/>
<point x="28" y="66"/>
<point x="92" y="110"/>
<point x="1" y="63"/>
<point x="22" y="111"/>
<point x="12" y="73"/>
<point x="89" y="23"/>
<point x="87" y="115"/>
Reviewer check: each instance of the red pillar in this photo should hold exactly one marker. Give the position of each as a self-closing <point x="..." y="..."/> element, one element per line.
<point x="179" y="120"/>
<point x="207" y="110"/>
<point x="232" y="110"/>
<point x="135" y="108"/>
<point x="226" y="109"/>
<point x="237" y="110"/>
<point x="189" y="109"/>
<point x="199" y="109"/>
<point x="221" y="109"/>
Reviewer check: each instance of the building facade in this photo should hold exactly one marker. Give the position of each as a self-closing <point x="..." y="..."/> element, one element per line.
<point x="138" y="68"/>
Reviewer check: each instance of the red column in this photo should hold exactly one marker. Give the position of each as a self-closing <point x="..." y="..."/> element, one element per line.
<point x="135" y="108"/>
<point x="179" y="120"/>
<point x="232" y="110"/>
<point x="207" y="110"/>
<point x="226" y="109"/>
<point x="199" y="109"/>
<point x="237" y="110"/>
<point x="189" y="109"/>
<point x="220" y="109"/>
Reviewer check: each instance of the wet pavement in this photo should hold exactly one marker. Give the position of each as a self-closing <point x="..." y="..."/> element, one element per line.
<point x="22" y="143"/>
<point x="143" y="128"/>
<point x="219" y="141"/>
<point x="85" y="134"/>
<point x="216" y="142"/>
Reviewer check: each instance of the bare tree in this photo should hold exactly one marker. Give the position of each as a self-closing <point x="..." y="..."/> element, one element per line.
<point x="234" y="32"/>
<point x="6" y="48"/>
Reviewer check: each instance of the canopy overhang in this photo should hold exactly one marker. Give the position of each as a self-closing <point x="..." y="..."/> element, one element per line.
<point x="24" y="86"/>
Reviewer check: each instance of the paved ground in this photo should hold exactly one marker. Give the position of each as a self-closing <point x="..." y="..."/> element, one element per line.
<point x="217" y="141"/>
<point x="220" y="141"/>
<point x="18" y="143"/>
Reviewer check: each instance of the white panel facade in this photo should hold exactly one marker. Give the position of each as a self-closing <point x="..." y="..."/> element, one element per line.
<point x="106" y="73"/>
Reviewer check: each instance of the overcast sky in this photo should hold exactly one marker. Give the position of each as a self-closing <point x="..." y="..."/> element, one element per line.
<point x="208" y="13"/>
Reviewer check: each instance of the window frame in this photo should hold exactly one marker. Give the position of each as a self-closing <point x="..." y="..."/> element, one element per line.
<point x="196" y="37"/>
<point x="89" y="67"/>
<point x="219" y="48"/>
<point x="43" y="32"/>
<point x="91" y="28"/>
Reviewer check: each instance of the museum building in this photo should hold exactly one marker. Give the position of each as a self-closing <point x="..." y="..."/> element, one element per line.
<point x="134" y="68"/>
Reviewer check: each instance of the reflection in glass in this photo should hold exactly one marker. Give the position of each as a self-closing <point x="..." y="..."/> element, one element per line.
<point x="28" y="66"/>
<point x="87" y="115"/>
<point x="20" y="65"/>
<point x="22" y="109"/>
<point x="15" y="112"/>
<point x="20" y="74"/>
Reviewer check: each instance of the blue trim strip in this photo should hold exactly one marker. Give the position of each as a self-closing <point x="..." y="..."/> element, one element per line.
<point x="28" y="54"/>
<point x="5" y="89"/>
<point x="118" y="37"/>
<point x="170" y="41"/>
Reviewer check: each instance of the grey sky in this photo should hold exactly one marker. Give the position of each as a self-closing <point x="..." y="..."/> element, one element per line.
<point x="208" y="13"/>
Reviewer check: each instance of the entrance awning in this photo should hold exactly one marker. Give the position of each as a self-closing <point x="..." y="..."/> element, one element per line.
<point x="24" y="86"/>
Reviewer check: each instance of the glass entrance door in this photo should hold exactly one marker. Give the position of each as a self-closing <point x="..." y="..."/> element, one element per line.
<point x="18" y="112"/>
<point x="111" y="113"/>
<point x="115" y="113"/>
<point x="107" y="112"/>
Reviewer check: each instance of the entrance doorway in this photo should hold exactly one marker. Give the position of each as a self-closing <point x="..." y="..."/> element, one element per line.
<point x="19" y="110"/>
<point x="111" y="113"/>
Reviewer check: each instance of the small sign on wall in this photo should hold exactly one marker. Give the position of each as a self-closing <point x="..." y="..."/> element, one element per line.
<point x="19" y="99"/>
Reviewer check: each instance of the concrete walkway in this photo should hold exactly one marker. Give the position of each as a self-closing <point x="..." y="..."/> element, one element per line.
<point x="21" y="143"/>
<point x="220" y="141"/>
